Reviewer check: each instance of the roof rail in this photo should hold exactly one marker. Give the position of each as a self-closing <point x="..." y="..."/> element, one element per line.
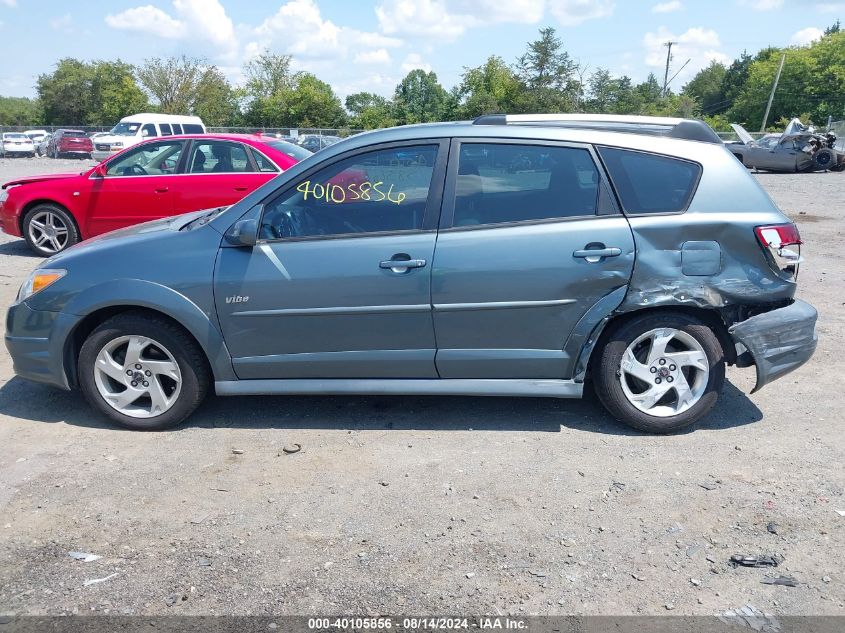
<point x="687" y="129"/>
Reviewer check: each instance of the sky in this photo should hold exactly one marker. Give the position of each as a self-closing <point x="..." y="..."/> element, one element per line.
<point x="371" y="45"/>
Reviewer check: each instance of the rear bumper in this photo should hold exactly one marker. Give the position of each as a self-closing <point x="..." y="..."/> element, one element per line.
<point x="99" y="154"/>
<point x="36" y="341"/>
<point x="779" y="341"/>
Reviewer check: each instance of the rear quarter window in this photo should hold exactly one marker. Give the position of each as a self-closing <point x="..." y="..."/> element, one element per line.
<point x="192" y="128"/>
<point x="651" y="183"/>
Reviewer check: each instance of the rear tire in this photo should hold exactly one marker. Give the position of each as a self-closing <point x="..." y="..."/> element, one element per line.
<point x="825" y="158"/>
<point x="660" y="372"/>
<point x="169" y="373"/>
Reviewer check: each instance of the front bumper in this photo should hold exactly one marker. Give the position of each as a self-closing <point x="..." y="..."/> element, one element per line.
<point x="99" y="154"/>
<point x="36" y="342"/>
<point x="779" y="341"/>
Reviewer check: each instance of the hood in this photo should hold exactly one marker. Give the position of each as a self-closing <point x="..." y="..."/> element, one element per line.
<point x="127" y="236"/>
<point x="28" y="179"/>
<point x="743" y="135"/>
<point x="117" y="138"/>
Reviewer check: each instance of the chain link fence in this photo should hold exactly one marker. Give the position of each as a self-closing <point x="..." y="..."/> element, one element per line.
<point x="283" y="131"/>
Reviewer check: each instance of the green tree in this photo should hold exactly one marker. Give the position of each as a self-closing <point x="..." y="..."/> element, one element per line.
<point x="93" y="93"/>
<point x="490" y="88"/>
<point x="706" y="88"/>
<point x="549" y="74"/>
<point x="20" y="111"/>
<point x="215" y="102"/>
<point x="268" y="74"/>
<point x="313" y="103"/>
<point x="419" y="98"/>
<point x="735" y="77"/>
<point x="369" y="111"/>
<point x="114" y="93"/>
<point x="173" y="81"/>
<point x="65" y="93"/>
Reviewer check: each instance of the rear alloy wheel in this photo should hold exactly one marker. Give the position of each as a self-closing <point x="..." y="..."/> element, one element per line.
<point x="142" y="372"/>
<point x="49" y="229"/>
<point x="660" y="373"/>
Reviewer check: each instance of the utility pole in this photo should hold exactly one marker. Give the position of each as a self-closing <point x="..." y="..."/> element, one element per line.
<point x="668" y="46"/>
<point x="772" y="96"/>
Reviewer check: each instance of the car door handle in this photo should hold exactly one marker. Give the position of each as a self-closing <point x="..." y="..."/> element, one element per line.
<point x="401" y="265"/>
<point x="596" y="253"/>
<point x="162" y="189"/>
<point x="241" y="188"/>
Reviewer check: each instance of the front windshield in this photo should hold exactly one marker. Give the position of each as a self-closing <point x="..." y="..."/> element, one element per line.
<point x="125" y="129"/>
<point x="294" y="151"/>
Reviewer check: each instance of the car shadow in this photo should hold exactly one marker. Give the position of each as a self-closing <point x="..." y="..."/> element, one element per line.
<point x="19" y="248"/>
<point x="38" y="403"/>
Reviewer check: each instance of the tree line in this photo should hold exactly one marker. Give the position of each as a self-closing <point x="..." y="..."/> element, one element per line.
<point x="545" y="78"/>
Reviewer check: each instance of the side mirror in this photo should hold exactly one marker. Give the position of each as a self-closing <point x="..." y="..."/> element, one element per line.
<point x="99" y="171"/>
<point x="243" y="233"/>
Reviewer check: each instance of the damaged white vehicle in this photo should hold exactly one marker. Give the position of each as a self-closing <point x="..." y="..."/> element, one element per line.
<point x="798" y="148"/>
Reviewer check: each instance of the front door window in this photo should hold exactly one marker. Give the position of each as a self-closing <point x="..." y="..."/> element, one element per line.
<point x="149" y="159"/>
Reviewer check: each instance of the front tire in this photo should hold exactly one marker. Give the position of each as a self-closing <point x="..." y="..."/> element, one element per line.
<point x="660" y="372"/>
<point x="49" y="229"/>
<point x="142" y="372"/>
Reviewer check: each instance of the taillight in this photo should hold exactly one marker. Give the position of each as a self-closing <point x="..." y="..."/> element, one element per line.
<point x="775" y="238"/>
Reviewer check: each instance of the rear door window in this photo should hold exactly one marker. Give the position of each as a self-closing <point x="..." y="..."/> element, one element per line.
<point x="500" y="183"/>
<point x="650" y="183"/>
<point x="192" y="128"/>
<point x="165" y="129"/>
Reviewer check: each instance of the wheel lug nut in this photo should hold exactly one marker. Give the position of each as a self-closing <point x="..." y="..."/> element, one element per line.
<point x="672" y="368"/>
<point x="668" y="379"/>
<point x="146" y="384"/>
<point x="653" y="370"/>
<point x="128" y="372"/>
<point x="662" y="361"/>
<point x="137" y="366"/>
<point x="148" y="373"/>
<point x="657" y="381"/>
<point x="134" y="384"/>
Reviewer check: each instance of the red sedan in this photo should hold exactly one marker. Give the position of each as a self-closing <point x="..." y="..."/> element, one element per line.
<point x="151" y="180"/>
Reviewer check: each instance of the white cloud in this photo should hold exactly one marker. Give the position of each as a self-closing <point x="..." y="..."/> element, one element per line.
<point x="299" y="29"/>
<point x="414" y="61"/>
<point x="9" y="3"/>
<point x="202" y="21"/>
<point x="805" y="36"/>
<point x="421" y="17"/>
<point x="697" y="44"/>
<point x="574" y="12"/>
<point x="63" y="23"/>
<point x="147" y="19"/>
<point x="667" y="7"/>
<point x="449" y="19"/>
<point x="763" y="5"/>
<point x="377" y="56"/>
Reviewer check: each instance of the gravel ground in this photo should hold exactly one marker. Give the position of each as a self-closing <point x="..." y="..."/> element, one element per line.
<point x="433" y="505"/>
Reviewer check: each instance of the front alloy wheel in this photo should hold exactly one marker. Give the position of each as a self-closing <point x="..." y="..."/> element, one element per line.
<point x="660" y="371"/>
<point x="137" y="376"/>
<point x="143" y="371"/>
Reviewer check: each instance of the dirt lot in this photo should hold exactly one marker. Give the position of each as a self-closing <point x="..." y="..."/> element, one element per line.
<point x="435" y="505"/>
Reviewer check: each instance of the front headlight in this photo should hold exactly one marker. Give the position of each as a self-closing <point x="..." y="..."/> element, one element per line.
<point x="38" y="280"/>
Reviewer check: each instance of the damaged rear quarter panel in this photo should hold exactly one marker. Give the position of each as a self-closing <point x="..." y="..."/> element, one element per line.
<point x="726" y="207"/>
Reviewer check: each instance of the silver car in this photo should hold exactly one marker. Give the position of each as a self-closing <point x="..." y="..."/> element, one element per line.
<point x="514" y="256"/>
